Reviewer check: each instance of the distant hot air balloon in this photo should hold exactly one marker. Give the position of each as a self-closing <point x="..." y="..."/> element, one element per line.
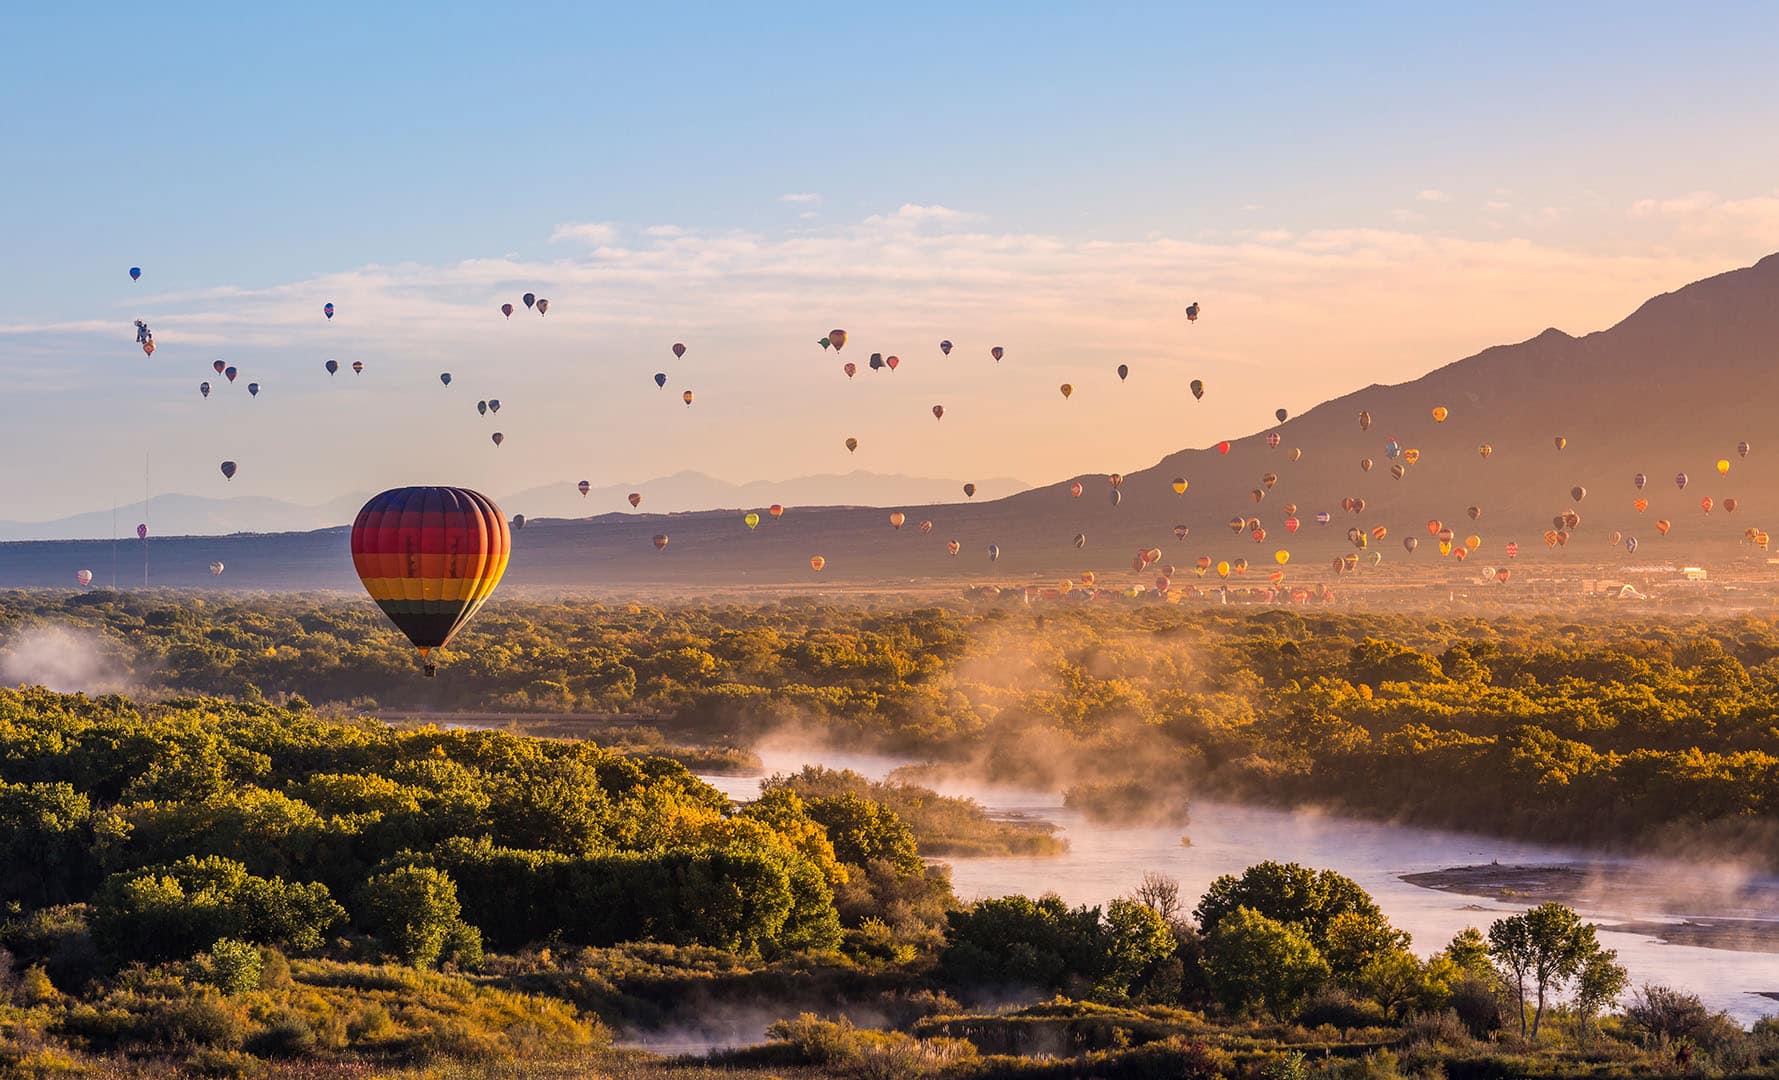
<point x="997" y="352"/>
<point x="1639" y="480"/>
<point x="529" y="299"/>
<point x="1560" y="442"/>
<point x="1117" y="496"/>
<point x="994" y="552"/>
<point x="1116" y="480"/>
<point x="1640" y="504"/>
<point x="1723" y="467"/>
<point x="518" y="522"/>
<point x="332" y="366"/>
<point x="635" y="498"/>
<point x="430" y="557"/>
<point x="218" y="366"/>
<point x="1080" y="540"/>
<point x="135" y="275"/>
<point x="228" y="470"/>
<point x="498" y="438"/>
<point x="216" y="568"/>
<point x="1631" y="545"/>
<point x="925" y="527"/>
<point x="1198" y="389"/>
<point x="1364" y="420"/>
<point x="660" y="541"/>
<point x="1663" y="526"/>
<point x="542" y="305"/>
<point x="1578" y="493"/>
<point x="1066" y="390"/>
<point x="328" y="309"/>
<point x="893" y="362"/>
<point x="1365" y="464"/>
<point x="896" y="519"/>
<point x="751" y="519"/>
<point x="1440" y="412"/>
<point x="445" y="377"/>
<point x="852" y="444"/>
<point x="661" y="379"/>
<point x="775" y="511"/>
<point x="1223" y="447"/>
<point x="1742" y="448"/>
<point x="83" y="578"/>
<point x="876" y="361"/>
<point x="1075" y="489"/>
<point x="358" y="367"/>
<point x="1411" y="456"/>
<point x="1730" y="504"/>
<point x="1680" y="481"/>
<point x="1272" y="439"/>
<point x="1179" y="485"/>
<point x="969" y="491"/>
<point x="482" y="407"/>
<point x="1324" y="517"/>
<point x="148" y="347"/>
<point x="945" y="347"/>
<point x="1296" y="453"/>
<point x="1705" y="504"/>
<point x="204" y="389"/>
<point x="686" y="397"/>
<point x="229" y="373"/>
<point x="938" y="412"/>
<point x="1123" y="372"/>
<point x="816" y="562"/>
<point x="583" y="487"/>
<point x="1485" y="450"/>
<point x="1292" y="524"/>
<point x="1192" y="311"/>
<point x="838" y="337"/>
<point x="142" y="531"/>
<point x="953" y="546"/>
<point x="850" y="368"/>
<point x="507" y="310"/>
<point x="253" y="389"/>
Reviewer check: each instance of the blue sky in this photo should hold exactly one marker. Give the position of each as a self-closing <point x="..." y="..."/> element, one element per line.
<point x="1059" y="179"/>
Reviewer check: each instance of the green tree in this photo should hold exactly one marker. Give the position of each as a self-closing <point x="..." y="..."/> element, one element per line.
<point x="1548" y="945"/>
<point x="1598" y="984"/>
<point x="1255" y="961"/>
<point x="864" y="832"/>
<point x="1136" y="936"/>
<point x="233" y="966"/>
<point x="1289" y="893"/>
<point x="414" y="910"/>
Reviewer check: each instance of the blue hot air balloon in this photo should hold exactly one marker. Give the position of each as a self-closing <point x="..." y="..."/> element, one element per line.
<point x="661" y="378"/>
<point x="135" y="273"/>
<point x="328" y="309"/>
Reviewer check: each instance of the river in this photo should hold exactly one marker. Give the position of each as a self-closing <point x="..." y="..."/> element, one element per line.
<point x="1108" y="861"/>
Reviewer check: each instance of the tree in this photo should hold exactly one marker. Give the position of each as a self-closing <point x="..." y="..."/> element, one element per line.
<point x="1469" y="949"/>
<point x="1548" y="945"/>
<point x="177" y="909"/>
<point x="414" y="910"/>
<point x="1598" y="984"/>
<point x="1289" y="893"/>
<point x="1257" y="961"/>
<point x="1135" y="938"/>
<point x="1160" y="894"/>
<point x="864" y="832"/>
<point x="233" y="966"/>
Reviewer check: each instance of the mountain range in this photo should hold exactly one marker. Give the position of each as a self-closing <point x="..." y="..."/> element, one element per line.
<point x="1672" y="388"/>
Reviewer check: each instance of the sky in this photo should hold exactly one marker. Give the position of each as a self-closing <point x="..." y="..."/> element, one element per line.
<point x="1354" y="195"/>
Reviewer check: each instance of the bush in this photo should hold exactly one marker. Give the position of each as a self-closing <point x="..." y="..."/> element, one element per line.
<point x="287" y="1036"/>
<point x="1339" y="1009"/>
<point x="233" y="967"/>
<point x="1435" y="1029"/>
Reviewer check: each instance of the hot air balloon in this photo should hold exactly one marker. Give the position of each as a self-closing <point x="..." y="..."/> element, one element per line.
<point x="142" y="531"/>
<point x="1198" y="389"/>
<point x="1273" y="439"/>
<point x="1223" y="447"/>
<point x="661" y="379"/>
<point x="938" y="412"/>
<point x="838" y="337"/>
<point x="893" y="362"/>
<point x="953" y="546"/>
<point x="1123" y="372"/>
<point x="1578" y="493"/>
<point x="253" y="389"/>
<point x="1358" y="506"/>
<point x="1440" y="412"/>
<point x="1723" y="467"/>
<point x="850" y="368"/>
<point x="1179" y="485"/>
<point x="482" y="407"/>
<point x="445" y="377"/>
<point x="148" y="347"/>
<point x="1631" y="545"/>
<point x="816" y="562"/>
<point x="994" y="552"/>
<point x="1257" y="494"/>
<point x="332" y="366"/>
<point x="518" y="522"/>
<point x="204" y="389"/>
<point x="1639" y="480"/>
<point x="686" y="397"/>
<point x="1223" y="569"/>
<point x="583" y="487"/>
<point x="925" y="527"/>
<point x="1680" y="481"/>
<point x="896" y="519"/>
<point x="1410" y="543"/>
<point x="969" y="491"/>
<point x="1181" y="532"/>
<point x="660" y="541"/>
<point x="218" y="366"/>
<point x="1281" y="556"/>
<point x="1066" y="390"/>
<point x="1296" y="454"/>
<point x="529" y="299"/>
<point x="997" y="352"/>
<point x="1411" y="456"/>
<point x="1292" y="524"/>
<point x="1080" y="540"/>
<point x="1485" y="450"/>
<point x="1742" y="448"/>
<point x="1513" y="549"/>
<point x="945" y="347"/>
<point x="216" y="568"/>
<point x="542" y="305"/>
<point x="635" y="498"/>
<point x="328" y="309"/>
<point x="1663" y="526"/>
<point x="507" y="310"/>
<point x="83" y="578"/>
<point x="1560" y="442"/>
<point x="1640" y="504"/>
<point x="1075" y="489"/>
<point x="358" y="367"/>
<point x="228" y="470"/>
<point x="498" y="438"/>
<point x="1705" y="504"/>
<point x="1192" y="311"/>
<point x="1280" y="415"/>
<point x="1324" y="517"/>
<point x="1116" y="480"/>
<point x="1117" y="496"/>
<point x="430" y="557"/>
<point x="852" y="444"/>
<point x="1365" y="464"/>
<point x="1364" y="420"/>
<point x="775" y="511"/>
<point x="751" y="520"/>
<point x="1729" y="505"/>
<point x="1290" y="509"/>
<point x="135" y="275"/>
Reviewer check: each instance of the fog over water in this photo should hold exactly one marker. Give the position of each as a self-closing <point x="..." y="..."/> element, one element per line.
<point x="1105" y="861"/>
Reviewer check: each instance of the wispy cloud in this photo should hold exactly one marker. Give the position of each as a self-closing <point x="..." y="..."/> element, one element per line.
<point x="914" y="213"/>
<point x="1432" y="195"/>
<point x="800" y="198"/>
<point x="592" y="232"/>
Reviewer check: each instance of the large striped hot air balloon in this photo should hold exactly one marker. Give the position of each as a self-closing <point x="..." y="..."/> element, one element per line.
<point x="430" y="557"/>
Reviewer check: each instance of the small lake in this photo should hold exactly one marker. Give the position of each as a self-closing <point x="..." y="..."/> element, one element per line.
<point x="1106" y="861"/>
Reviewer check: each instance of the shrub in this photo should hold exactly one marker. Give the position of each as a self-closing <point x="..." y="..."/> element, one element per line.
<point x="233" y="967"/>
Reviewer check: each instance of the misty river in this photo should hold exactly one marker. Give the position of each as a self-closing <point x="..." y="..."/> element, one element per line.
<point x="1106" y="861"/>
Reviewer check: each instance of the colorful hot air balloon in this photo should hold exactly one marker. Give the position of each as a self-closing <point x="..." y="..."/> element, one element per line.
<point x="1117" y="496"/>
<point x="1680" y="481"/>
<point x="430" y="557"/>
<point x="445" y="377"/>
<point x="1485" y="450"/>
<point x="1272" y="439"/>
<point x="1075" y="489"/>
<point x="816" y="562"/>
<point x="838" y="338"/>
<point x="969" y="491"/>
<point x="218" y="366"/>
<point x="1179" y="485"/>
<point x="1324" y="517"/>
<point x="507" y="310"/>
<point x="1705" y="504"/>
<point x="1292" y="524"/>
<point x="1080" y="540"/>
<point x="83" y="578"/>
<point x="1639" y="480"/>
<point x="148" y="347"/>
<point x="852" y="444"/>
<point x="228" y="470"/>
<point x="328" y="309"/>
<point x="1123" y="372"/>
<point x="945" y="347"/>
<point x="1365" y="464"/>
<point x="1730" y="504"/>
<point x="1198" y="389"/>
<point x="850" y="368"/>
<point x="583" y="487"/>
<point x="997" y="352"/>
<point x="953" y="546"/>
<point x="1723" y="467"/>
<point x="893" y="362"/>
<point x="216" y="568"/>
<point x="660" y="541"/>
<point x="529" y="299"/>
<point x="1364" y="420"/>
<point x="253" y="389"/>
<point x="1192" y="311"/>
<point x="776" y="511"/>
<point x="1281" y="556"/>
<point x="142" y="531"/>
<point x="204" y="389"/>
<point x="482" y="407"/>
<point x="229" y="373"/>
<point x="925" y="527"/>
<point x="135" y="275"/>
<point x="1578" y="493"/>
<point x="635" y="498"/>
<point x="686" y="397"/>
<point x="1066" y="390"/>
<point x="751" y="520"/>
<point x="332" y="366"/>
<point x="1296" y="453"/>
<point x="542" y="305"/>
<point x="1440" y="412"/>
<point x="1742" y="448"/>
<point x="1631" y="545"/>
<point x="1223" y="447"/>
<point x="994" y="552"/>
<point x="1663" y="526"/>
<point x="1560" y="442"/>
<point x="1640" y="504"/>
<point x="358" y="367"/>
<point x="896" y="519"/>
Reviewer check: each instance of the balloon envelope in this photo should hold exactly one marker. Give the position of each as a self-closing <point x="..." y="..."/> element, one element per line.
<point x="228" y="470"/>
<point x="135" y="274"/>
